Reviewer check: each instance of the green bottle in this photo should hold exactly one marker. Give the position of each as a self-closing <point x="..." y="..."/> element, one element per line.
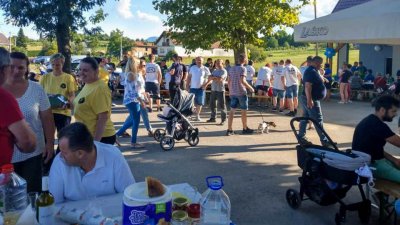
<point x="45" y="204"/>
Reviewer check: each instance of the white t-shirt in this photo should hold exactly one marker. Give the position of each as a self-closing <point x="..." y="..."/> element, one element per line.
<point x="31" y="104"/>
<point x="199" y="76"/>
<point x="264" y="76"/>
<point x="302" y="70"/>
<point x="291" y="72"/>
<point x="110" y="175"/>
<point x="278" y="72"/>
<point x="152" y="69"/>
<point x="167" y="80"/>
<point x="250" y="72"/>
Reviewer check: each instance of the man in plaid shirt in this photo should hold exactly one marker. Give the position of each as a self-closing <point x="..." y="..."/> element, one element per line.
<point x="237" y="92"/>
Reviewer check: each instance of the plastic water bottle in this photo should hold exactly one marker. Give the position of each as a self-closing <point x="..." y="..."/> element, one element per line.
<point x="215" y="204"/>
<point x="16" y="199"/>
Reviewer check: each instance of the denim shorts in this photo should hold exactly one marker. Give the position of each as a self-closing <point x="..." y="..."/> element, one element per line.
<point x="279" y="93"/>
<point x="239" y="101"/>
<point x="199" y="95"/>
<point x="292" y="91"/>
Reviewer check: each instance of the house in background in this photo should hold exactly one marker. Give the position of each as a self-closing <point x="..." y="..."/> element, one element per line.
<point x="165" y="44"/>
<point x="142" y="48"/>
<point x="4" y="42"/>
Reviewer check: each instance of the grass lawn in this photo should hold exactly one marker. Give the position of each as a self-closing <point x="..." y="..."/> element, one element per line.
<point x="298" y="56"/>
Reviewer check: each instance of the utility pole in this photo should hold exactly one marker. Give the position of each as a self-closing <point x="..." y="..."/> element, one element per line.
<point x="9" y="42"/>
<point x="315" y="17"/>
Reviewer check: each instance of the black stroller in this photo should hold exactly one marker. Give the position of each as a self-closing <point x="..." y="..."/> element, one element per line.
<point x="178" y="126"/>
<point x="325" y="183"/>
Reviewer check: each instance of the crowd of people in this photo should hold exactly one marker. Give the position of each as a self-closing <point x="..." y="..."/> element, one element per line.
<point x="85" y="150"/>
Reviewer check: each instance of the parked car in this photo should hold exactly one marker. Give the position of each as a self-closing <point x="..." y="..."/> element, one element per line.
<point x="41" y="59"/>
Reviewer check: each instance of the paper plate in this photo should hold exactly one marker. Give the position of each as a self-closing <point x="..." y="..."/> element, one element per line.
<point x="137" y="192"/>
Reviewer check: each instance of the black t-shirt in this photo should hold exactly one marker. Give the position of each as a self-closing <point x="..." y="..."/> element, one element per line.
<point x="370" y="136"/>
<point x="312" y="76"/>
<point x="180" y="69"/>
<point x="346" y="76"/>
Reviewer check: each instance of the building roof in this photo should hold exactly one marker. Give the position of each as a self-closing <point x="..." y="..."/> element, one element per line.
<point x="344" y="4"/>
<point x="4" y="40"/>
<point x="143" y="44"/>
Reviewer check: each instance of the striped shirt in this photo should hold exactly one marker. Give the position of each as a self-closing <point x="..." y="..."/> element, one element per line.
<point x="236" y="74"/>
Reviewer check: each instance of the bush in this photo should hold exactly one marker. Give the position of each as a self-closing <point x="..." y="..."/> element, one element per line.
<point x="169" y="55"/>
<point x="257" y="53"/>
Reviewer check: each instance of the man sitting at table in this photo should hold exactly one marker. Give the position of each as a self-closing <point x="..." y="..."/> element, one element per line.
<point x="86" y="168"/>
<point x="371" y="135"/>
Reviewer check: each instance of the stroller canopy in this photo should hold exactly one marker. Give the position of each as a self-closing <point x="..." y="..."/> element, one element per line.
<point x="183" y="101"/>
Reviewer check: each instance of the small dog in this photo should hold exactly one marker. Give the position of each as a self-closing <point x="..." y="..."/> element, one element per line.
<point x="264" y="127"/>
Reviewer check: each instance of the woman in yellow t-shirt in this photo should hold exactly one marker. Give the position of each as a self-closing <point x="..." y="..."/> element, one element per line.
<point x="92" y="106"/>
<point x="57" y="84"/>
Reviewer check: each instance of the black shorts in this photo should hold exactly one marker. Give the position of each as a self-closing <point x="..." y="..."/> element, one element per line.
<point x="152" y="88"/>
<point x="262" y="88"/>
<point x="328" y="85"/>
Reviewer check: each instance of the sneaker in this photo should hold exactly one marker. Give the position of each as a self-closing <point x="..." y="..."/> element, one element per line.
<point x="113" y="104"/>
<point x="149" y="109"/>
<point x="150" y="133"/>
<point x="295" y="112"/>
<point x="291" y="113"/>
<point x="349" y="101"/>
<point x="124" y="135"/>
<point x="247" y="131"/>
<point x="230" y="133"/>
<point x="281" y="111"/>
<point x="211" y="120"/>
<point x="222" y="123"/>
<point x="305" y="141"/>
<point x="341" y="102"/>
<point x="274" y="109"/>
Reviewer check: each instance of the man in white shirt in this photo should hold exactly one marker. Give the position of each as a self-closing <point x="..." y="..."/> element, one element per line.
<point x="153" y="81"/>
<point x="251" y="72"/>
<point x="279" y="87"/>
<point x="197" y="81"/>
<point x="263" y="81"/>
<point x="86" y="169"/>
<point x="292" y="80"/>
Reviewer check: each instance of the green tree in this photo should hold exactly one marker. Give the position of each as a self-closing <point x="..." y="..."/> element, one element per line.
<point x="272" y="42"/>
<point x="22" y="40"/>
<point x="200" y="23"/>
<point x="286" y="44"/>
<point x="53" y="18"/>
<point x="114" y="44"/>
<point x="257" y="53"/>
<point x="48" y="48"/>
<point x="169" y="55"/>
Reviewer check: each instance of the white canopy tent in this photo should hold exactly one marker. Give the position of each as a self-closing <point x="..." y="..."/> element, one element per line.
<point x="374" y="22"/>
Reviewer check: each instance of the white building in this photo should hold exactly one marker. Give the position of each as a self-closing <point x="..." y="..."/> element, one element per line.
<point x="165" y="44"/>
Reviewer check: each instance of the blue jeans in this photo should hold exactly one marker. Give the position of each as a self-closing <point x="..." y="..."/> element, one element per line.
<point x="145" y="118"/>
<point x="132" y="120"/>
<point x="314" y="113"/>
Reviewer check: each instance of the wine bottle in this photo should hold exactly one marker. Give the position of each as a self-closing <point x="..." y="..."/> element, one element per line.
<point x="45" y="204"/>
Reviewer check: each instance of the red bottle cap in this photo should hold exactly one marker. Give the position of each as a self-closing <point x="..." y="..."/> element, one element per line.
<point x="7" y="168"/>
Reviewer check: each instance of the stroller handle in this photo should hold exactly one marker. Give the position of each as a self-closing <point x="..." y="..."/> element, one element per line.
<point x="317" y="126"/>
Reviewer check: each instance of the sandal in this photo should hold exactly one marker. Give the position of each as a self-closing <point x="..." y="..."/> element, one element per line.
<point x="137" y="145"/>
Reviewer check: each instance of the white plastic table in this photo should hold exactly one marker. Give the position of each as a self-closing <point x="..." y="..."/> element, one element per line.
<point x="110" y="205"/>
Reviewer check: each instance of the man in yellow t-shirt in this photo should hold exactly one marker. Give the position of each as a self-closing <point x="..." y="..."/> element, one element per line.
<point x="59" y="85"/>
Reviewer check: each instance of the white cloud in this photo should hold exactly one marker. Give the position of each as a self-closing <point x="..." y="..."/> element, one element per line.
<point x="324" y="7"/>
<point x="124" y="8"/>
<point x="148" y="17"/>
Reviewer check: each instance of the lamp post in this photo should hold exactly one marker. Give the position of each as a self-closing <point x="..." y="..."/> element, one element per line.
<point x="315" y="17"/>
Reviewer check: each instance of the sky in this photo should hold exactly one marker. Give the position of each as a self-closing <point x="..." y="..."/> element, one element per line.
<point x="139" y="19"/>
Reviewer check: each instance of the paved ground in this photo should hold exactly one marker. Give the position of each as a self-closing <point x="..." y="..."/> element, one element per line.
<point x="257" y="169"/>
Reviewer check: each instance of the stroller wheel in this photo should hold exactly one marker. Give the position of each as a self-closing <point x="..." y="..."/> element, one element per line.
<point x="293" y="198"/>
<point x="158" y="134"/>
<point x="193" y="140"/>
<point x="167" y="143"/>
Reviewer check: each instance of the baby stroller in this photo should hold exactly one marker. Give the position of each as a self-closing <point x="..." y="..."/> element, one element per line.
<point x="328" y="174"/>
<point x="178" y="126"/>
